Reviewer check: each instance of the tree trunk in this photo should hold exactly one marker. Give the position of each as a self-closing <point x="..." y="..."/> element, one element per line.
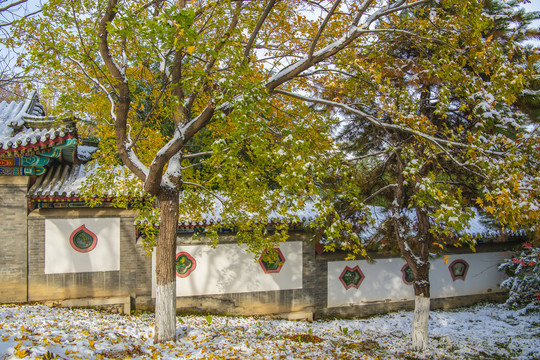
<point x="165" y="315"/>
<point x="421" y="308"/>
<point x="420" y="323"/>
<point x="421" y="284"/>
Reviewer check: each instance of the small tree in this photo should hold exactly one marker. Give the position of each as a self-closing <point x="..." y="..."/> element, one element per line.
<point x="523" y="283"/>
<point x="432" y="129"/>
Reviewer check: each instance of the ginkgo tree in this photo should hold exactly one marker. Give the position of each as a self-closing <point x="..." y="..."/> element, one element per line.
<point x="432" y="128"/>
<point x="214" y="98"/>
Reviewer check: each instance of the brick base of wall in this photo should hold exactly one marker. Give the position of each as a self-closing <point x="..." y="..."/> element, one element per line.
<point x="13" y="238"/>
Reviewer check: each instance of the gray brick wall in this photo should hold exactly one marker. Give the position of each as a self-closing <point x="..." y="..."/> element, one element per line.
<point x="13" y="238"/>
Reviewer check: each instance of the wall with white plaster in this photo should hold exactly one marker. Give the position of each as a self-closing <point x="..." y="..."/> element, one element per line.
<point x="383" y="280"/>
<point x="228" y="269"/>
<point x="61" y="258"/>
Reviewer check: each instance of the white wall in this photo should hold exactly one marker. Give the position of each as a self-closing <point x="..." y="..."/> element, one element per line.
<point x="61" y="258"/>
<point x="383" y="280"/>
<point x="228" y="268"/>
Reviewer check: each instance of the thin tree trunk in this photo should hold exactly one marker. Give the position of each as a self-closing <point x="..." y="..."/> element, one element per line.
<point x="165" y="315"/>
<point x="421" y="284"/>
<point x="421" y="308"/>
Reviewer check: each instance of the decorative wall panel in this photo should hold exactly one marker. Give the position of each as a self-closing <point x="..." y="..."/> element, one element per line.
<point x="228" y="269"/>
<point x="82" y="245"/>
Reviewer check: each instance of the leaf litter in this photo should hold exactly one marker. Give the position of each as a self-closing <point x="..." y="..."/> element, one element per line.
<point x="485" y="331"/>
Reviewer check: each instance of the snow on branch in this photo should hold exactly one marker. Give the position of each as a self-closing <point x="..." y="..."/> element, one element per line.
<point x="190" y="156"/>
<point x="98" y="84"/>
<point x="321" y="28"/>
<point x="292" y="70"/>
<point x="373" y="120"/>
<point x="221" y="200"/>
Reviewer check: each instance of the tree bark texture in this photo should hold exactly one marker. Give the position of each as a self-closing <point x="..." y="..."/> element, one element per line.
<point x="165" y="311"/>
<point x="418" y="260"/>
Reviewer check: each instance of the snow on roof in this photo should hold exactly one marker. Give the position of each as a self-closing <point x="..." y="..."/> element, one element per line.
<point x="59" y="181"/>
<point x="66" y="181"/>
<point x="306" y="214"/>
<point x="84" y="152"/>
<point x="24" y="124"/>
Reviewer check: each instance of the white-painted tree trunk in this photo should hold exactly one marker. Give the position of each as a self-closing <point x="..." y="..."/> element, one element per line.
<point x="165" y="329"/>
<point x="165" y="317"/>
<point x="420" y="323"/>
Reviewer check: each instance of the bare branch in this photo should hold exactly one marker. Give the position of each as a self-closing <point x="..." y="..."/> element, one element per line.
<point x="321" y="29"/>
<point x="384" y="188"/>
<point x="255" y="32"/>
<point x="9" y="6"/>
<point x="221" y="200"/>
<point x="190" y="156"/>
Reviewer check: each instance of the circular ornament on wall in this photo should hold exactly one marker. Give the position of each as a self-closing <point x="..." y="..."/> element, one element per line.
<point x="83" y="240"/>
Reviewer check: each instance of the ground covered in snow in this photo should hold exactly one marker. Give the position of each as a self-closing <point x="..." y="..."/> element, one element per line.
<point x="480" y="332"/>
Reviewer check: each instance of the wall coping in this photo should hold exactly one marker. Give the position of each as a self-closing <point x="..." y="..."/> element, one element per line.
<point x="81" y="213"/>
<point x="14" y="180"/>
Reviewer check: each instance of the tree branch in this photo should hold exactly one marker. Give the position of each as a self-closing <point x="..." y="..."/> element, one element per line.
<point x="190" y="156"/>
<point x="373" y="120"/>
<point x="211" y="62"/>
<point x="292" y="70"/>
<point x="255" y="32"/>
<point x="321" y="29"/>
<point x="363" y="8"/>
<point x="123" y="143"/>
<point x="7" y="7"/>
<point x="221" y="200"/>
<point x="384" y="188"/>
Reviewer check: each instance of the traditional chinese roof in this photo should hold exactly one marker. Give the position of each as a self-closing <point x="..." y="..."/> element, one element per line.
<point x="29" y="139"/>
<point x="61" y="181"/>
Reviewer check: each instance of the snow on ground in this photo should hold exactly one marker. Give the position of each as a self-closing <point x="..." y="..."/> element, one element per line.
<point x="480" y="332"/>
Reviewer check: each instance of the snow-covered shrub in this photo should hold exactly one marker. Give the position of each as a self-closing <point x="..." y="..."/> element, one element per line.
<point x="523" y="283"/>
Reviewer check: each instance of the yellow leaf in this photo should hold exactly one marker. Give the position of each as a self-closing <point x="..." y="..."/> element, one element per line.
<point x="445" y="259"/>
<point x="190" y="49"/>
<point x="21" y="353"/>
